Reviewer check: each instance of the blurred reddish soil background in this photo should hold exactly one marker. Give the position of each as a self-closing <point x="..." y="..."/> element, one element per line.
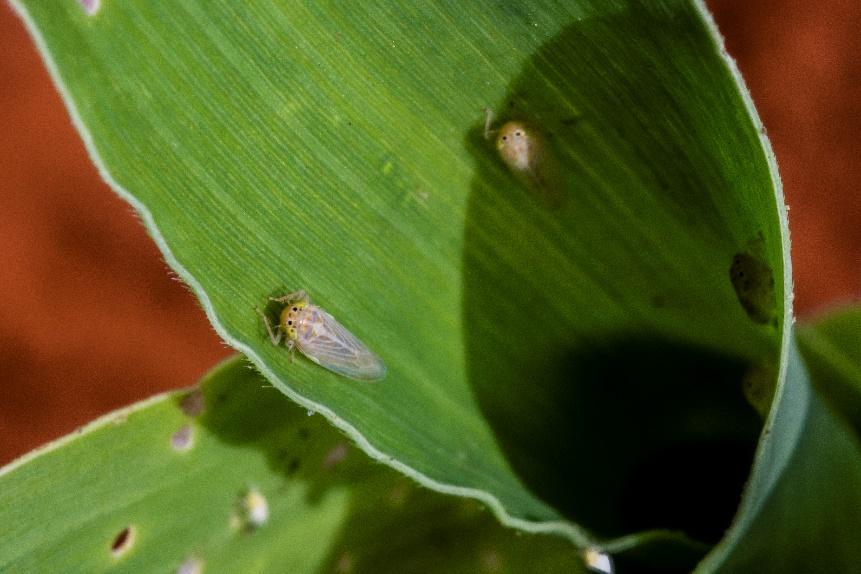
<point x="90" y="319"/>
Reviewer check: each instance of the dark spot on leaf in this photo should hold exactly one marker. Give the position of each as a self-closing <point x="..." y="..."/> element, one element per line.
<point x="193" y="403"/>
<point x="336" y="455"/>
<point x="758" y="386"/>
<point x="753" y="282"/>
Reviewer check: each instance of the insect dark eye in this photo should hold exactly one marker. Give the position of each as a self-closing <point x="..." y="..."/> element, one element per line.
<point x="504" y="138"/>
<point x="289" y="322"/>
<point x="295" y="308"/>
<point x="518" y="134"/>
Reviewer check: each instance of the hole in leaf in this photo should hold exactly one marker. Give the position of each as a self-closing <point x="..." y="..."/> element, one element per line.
<point x="192" y="404"/>
<point x="193" y="565"/>
<point x="183" y="439"/>
<point x="335" y="456"/>
<point x="123" y="541"/>
<point x="90" y="6"/>
<point x="253" y="511"/>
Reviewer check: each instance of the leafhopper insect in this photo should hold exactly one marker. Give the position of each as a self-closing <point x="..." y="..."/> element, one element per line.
<point x="321" y="338"/>
<point x="526" y="153"/>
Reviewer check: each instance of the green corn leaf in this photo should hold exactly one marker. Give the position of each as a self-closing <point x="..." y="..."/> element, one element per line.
<point x="178" y="483"/>
<point x="831" y="346"/>
<point x="802" y="508"/>
<point x="560" y="338"/>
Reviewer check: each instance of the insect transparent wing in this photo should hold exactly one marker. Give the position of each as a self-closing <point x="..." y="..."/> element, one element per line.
<point x="332" y="346"/>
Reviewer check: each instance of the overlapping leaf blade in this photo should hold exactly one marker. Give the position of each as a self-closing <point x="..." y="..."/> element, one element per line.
<point x="802" y="506"/>
<point x="330" y="508"/>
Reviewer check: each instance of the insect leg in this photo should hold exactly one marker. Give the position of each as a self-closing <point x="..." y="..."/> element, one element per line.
<point x="488" y="121"/>
<point x="290" y="297"/>
<point x="274" y="337"/>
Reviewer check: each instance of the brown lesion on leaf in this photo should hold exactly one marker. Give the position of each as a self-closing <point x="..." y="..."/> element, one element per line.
<point x="753" y="281"/>
<point x="192" y="404"/>
<point x="758" y="385"/>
